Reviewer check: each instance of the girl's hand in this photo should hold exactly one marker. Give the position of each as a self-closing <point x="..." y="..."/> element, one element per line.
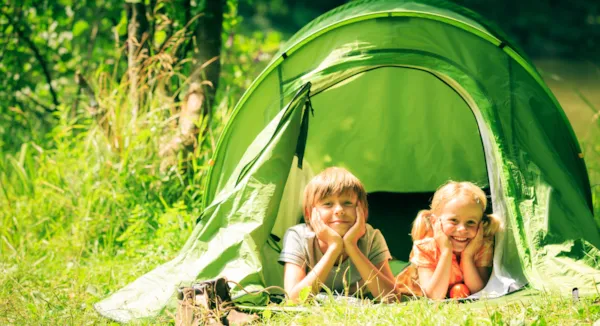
<point x="440" y="236"/>
<point x="358" y="229"/>
<point x="475" y="244"/>
<point x="324" y="232"/>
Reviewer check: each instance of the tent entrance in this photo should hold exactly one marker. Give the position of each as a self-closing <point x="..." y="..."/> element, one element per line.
<point x="403" y="132"/>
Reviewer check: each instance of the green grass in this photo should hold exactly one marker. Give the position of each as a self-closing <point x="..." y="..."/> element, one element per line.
<point x="50" y="287"/>
<point x="548" y="309"/>
<point x="53" y="289"/>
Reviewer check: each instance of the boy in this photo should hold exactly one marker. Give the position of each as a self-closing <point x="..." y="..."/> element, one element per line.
<point x="336" y="233"/>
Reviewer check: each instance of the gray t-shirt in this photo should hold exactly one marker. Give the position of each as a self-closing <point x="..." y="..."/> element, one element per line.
<point x="301" y="247"/>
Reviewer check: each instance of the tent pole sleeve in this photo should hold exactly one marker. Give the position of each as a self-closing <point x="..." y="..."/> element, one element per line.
<point x="301" y="145"/>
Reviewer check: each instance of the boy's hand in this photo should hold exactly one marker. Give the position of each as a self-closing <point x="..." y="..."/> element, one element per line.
<point x="324" y="232"/>
<point x="358" y="229"/>
<point x="440" y="236"/>
<point x="475" y="244"/>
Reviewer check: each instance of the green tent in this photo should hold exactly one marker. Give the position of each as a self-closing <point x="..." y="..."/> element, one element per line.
<point x="406" y="95"/>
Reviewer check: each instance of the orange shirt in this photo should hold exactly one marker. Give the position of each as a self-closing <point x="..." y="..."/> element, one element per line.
<point x="426" y="254"/>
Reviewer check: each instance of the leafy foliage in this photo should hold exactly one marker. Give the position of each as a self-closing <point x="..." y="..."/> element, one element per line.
<point x="44" y="43"/>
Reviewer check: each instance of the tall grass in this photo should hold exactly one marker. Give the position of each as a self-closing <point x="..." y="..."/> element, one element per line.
<point x="82" y="193"/>
<point x="88" y="209"/>
<point x="85" y="208"/>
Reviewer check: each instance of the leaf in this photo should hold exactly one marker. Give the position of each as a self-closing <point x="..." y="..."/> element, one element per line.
<point x="496" y="318"/>
<point x="80" y="27"/>
<point x="122" y="26"/>
<point x="468" y="321"/>
<point x="267" y="314"/>
<point x="303" y="295"/>
<point x="540" y="321"/>
<point x="159" y="37"/>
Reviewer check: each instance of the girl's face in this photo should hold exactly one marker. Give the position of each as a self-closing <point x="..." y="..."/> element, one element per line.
<point x="338" y="211"/>
<point x="460" y="220"/>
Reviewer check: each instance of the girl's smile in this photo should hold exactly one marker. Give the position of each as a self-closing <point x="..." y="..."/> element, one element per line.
<point x="460" y="220"/>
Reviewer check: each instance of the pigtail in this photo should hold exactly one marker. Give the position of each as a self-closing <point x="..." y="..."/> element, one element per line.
<point x="422" y="226"/>
<point x="491" y="225"/>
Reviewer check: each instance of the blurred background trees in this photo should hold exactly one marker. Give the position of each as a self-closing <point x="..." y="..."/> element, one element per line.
<point x="45" y="43"/>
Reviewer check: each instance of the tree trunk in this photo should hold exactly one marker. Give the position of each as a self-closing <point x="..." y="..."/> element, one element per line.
<point x="25" y="35"/>
<point x="208" y="40"/>
<point x="196" y="107"/>
<point x="137" y="34"/>
<point x="186" y="137"/>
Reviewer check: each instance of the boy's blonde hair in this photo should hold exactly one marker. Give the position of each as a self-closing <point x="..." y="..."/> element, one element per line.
<point x="422" y="227"/>
<point x="333" y="181"/>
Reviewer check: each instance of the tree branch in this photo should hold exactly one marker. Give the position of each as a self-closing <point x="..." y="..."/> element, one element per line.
<point x="87" y="90"/>
<point x="208" y="38"/>
<point x="187" y="7"/>
<point x="36" y="101"/>
<point x="3" y="51"/>
<point x="137" y="34"/>
<point x="152" y="21"/>
<point x="37" y="55"/>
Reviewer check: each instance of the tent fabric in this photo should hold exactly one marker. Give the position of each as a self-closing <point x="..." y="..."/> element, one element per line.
<point x="406" y="95"/>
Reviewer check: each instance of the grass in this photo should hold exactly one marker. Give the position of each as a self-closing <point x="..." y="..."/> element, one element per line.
<point x="61" y="289"/>
<point x="48" y="286"/>
<point x="548" y="309"/>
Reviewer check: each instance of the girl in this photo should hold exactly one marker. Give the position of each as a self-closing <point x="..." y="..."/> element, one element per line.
<point x="453" y="244"/>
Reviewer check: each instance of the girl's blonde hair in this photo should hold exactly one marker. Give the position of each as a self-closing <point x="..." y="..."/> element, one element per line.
<point x="422" y="227"/>
<point x="333" y="181"/>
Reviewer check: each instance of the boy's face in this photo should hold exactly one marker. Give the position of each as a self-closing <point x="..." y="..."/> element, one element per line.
<point x="338" y="211"/>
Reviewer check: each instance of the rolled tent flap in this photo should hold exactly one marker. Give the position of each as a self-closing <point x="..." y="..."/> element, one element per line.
<point x="228" y="240"/>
